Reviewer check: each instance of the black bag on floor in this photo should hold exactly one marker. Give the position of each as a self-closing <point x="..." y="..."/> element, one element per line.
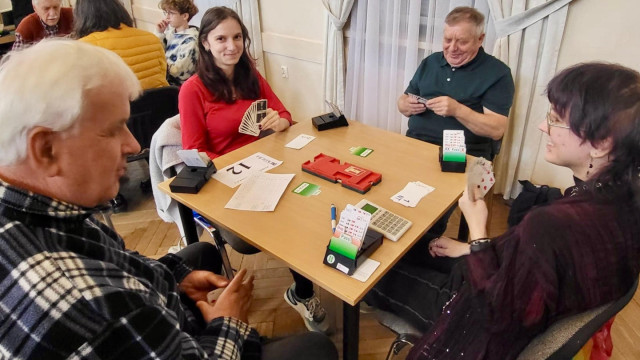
<point x="531" y="196"/>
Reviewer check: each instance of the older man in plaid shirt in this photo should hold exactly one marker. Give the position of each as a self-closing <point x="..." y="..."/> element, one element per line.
<point x="68" y="287"/>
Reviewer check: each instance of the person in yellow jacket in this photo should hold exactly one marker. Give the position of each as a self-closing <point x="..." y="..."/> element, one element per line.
<point x="106" y="23"/>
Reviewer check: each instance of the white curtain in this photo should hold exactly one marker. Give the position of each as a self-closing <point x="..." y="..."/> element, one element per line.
<point x="530" y="34"/>
<point x="387" y="41"/>
<point x="334" y="66"/>
<point x="249" y="13"/>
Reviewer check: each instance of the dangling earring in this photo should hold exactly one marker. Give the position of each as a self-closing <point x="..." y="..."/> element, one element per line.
<point x="590" y="166"/>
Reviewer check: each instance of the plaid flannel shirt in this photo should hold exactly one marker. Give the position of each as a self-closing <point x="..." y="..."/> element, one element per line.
<point x="50" y="31"/>
<point x="70" y="290"/>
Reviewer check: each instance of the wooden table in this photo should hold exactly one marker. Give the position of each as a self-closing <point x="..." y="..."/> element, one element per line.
<point x="298" y="231"/>
<point x="6" y="41"/>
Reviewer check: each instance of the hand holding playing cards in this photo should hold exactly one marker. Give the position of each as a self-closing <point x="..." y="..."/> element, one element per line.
<point x="273" y="121"/>
<point x="233" y="302"/>
<point x="409" y="105"/>
<point x="444" y="246"/>
<point x="480" y="178"/>
<point x="443" y="106"/>
<point x="476" y="213"/>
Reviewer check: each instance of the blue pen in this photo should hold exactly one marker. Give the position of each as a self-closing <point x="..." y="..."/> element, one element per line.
<point x="333" y="218"/>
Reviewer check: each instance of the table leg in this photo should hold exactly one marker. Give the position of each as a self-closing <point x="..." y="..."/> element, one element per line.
<point x="188" y="224"/>
<point x="350" y="331"/>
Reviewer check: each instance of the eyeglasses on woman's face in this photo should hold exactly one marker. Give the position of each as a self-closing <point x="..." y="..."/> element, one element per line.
<point x="554" y="121"/>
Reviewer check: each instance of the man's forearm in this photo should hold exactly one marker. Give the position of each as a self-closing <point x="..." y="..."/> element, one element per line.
<point x="489" y="124"/>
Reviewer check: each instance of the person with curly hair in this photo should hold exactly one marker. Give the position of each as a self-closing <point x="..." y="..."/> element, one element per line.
<point x="180" y="40"/>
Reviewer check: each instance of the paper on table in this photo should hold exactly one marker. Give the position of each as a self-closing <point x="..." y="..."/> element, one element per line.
<point x="300" y="141"/>
<point x="365" y="270"/>
<point x="234" y="174"/>
<point x="412" y="193"/>
<point x="260" y="192"/>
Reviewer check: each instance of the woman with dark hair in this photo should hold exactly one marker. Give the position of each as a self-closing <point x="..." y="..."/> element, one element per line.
<point x="576" y="254"/>
<point x="106" y="23"/>
<point x="213" y="102"/>
<point x="212" y="105"/>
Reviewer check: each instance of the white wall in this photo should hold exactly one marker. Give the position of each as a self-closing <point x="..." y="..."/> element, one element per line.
<point x="596" y="30"/>
<point x="293" y="36"/>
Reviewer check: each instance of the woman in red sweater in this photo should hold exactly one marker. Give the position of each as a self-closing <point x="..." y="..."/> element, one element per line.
<point x="212" y="104"/>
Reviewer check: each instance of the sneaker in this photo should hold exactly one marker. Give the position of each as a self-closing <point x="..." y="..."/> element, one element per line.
<point x="313" y="314"/>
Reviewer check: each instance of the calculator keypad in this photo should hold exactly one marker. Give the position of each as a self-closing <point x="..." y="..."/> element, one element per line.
<point x="392" y="226"/>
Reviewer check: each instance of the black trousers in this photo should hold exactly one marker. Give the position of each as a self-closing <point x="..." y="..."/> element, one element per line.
<point x="433" y="283"/>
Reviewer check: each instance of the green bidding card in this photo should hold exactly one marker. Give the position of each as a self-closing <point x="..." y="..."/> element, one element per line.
<point x="343" y="247"/>
<point x="307" y="189"/>
<point x="361" y="151"/>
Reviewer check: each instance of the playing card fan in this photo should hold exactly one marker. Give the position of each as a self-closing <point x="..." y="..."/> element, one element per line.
<point x="250" y="124"/>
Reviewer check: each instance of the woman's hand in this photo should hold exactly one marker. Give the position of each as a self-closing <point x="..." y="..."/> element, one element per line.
<point x="444" y="246"/>
<point x="274" y="122"/>
<point x="233" y="302"/>
<point x="198" y="283"/>
<point x="476" y="213"/>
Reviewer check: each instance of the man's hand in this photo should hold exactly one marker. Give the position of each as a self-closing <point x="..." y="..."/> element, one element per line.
<point x="161" y="26"/>
<point x="476" y="214"/>
<point x="199" y="283"/>
<point x="444" y="246"/>
<point x="274" y="121"/>
<point x="443" y="106"/>
<point x="233" y="302"/>
<point x="408" y="105"/>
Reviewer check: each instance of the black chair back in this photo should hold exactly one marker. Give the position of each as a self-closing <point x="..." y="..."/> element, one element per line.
<point x="150" y="110"/>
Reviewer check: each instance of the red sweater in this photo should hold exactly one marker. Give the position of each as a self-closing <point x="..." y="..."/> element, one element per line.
<point x="212" y="126"/>
<point x="31" y="29"/>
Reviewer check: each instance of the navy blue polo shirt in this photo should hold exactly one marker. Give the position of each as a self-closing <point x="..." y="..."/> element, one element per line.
<point x="484" y="82"/>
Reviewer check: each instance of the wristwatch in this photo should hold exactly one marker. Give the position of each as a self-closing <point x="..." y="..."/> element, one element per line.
<point x="479" y="244"/>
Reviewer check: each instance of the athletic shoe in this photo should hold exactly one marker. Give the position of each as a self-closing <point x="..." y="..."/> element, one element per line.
<point x="313" y="314"/>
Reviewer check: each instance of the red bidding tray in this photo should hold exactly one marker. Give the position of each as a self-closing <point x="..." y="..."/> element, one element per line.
<point x="350" y="176"/>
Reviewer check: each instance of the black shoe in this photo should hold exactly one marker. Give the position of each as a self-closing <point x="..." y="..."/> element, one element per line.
<point x="118" y="204"/>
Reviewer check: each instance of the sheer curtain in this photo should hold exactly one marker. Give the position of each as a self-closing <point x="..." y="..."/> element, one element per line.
<point x="530" y="35"/>
<point x="248" y="11"/>
<point x="387" y="41"/>
<point x="334" y="66"/>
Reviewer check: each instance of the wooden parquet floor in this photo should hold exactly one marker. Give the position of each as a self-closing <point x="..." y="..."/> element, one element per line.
<point x="144" y="232"/>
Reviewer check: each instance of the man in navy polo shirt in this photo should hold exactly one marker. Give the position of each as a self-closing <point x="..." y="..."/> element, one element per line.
<point x="465" y="88"/>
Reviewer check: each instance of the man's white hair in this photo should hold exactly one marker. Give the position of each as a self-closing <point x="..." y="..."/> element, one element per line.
<point x="45" y="85"/>
<point x="36" y="2"/>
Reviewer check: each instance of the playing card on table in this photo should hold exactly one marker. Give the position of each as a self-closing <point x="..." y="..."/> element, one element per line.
<point x="252" y="118"/>
<point x="480" y="178"/>
<point x="412" y="193"/>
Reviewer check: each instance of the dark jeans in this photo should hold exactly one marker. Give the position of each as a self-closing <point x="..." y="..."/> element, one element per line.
<point x="310" y="345"/>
